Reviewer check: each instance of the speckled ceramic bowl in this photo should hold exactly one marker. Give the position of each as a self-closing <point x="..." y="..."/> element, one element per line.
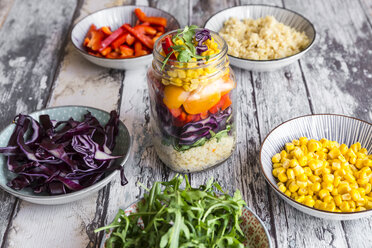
<point x="343" y="129"/>
<point x="115" y="17"/>
<point x="122" y="147"/>
<point x="288" y="17"/>
<point x="252" y="226"/>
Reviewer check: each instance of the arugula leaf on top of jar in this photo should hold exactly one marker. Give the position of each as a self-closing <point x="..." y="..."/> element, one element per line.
<point x="192" y="96"/>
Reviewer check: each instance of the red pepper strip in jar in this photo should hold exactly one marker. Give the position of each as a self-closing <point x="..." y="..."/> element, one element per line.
<point x="167" y="46"/>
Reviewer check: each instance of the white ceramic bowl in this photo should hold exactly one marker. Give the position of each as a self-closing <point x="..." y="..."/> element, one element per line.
<point x="115" y="17"/>
<point x="288" y="17"/>
<point x="343" y="129"/>
<point x="122" y="147"/>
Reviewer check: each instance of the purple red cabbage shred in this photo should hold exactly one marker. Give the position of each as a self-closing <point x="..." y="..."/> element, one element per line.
<point x="61" y="157"/>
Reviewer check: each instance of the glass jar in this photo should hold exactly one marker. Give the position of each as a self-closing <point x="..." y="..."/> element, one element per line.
<point x="193" y="109"/>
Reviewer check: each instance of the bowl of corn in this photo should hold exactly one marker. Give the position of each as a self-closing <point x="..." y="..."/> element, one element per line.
<point x="321" y="165"/>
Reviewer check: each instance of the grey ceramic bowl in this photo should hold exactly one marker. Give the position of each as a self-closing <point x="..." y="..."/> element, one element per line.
<point x="343" y="129"/>
<point x="115" y="17"/>
<point x="288" y="17"/>
<point x="252" y="226"/>
<point x="123" y="145"/>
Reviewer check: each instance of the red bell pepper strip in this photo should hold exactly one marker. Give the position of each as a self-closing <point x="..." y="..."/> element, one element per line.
<point x="141" y="37"/>
<point x="145" y="29"/>
<point x="176" y="112"/>
<point x="167" y="46"/>
<point x="226" y="102"/>
<point x="151" y="19"/>
<point x="95" y="41"/>
<point x="91" y="29"/>
<point x="204" y="115"/>
<point x="126" y="50"/>
<point x="130" y="39"/>
<point x="119" y="41"/>
<point x="106" y="30"/>
<point x="106" y="42"/>
<point x="106" y="51"/>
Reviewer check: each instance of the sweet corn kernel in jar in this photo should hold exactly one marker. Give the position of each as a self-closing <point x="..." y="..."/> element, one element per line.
<point x="325" y="175"/>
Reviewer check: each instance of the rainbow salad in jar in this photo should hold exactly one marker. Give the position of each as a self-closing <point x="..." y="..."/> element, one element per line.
<point x="192" y="95"/>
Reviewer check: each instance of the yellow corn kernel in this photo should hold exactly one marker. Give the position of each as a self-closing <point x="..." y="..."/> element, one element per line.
<point x="343" y="149"/>
<point x="368" y="188"/>
<point x="368" y="205"/>
<point x="336" y="181"/>
<point x="342" y="158"/>
<point x="283" y="154"/>
<point x="336" y="164"/>
<point x="302" y="177"/>
<point x="282" y="188"/>
<point x="294" y="195"/>
<point x="352" y="160"/>
<point x="355" y="194"/>
<point x="321" y="155"/>
<point x="296" y="142"/>
<point x="334" y="192"/>
<point x="302" y="160"/>
<point x="290" y="174"/>
<point x="310" y="192"/>
<point x="359" y="163"/>
<point x="343" y="188"/>
<point x="276" y="158"/>
<point x="331" y="206"/>
<point x="315" y="164"/>
<point x="352" y="204"/>
<point x="298" y="170"/>
<point x="349" y="177"/>
<point x="286" y="163"/>
<point x="303" y="140"/>
<point x="354" y="185"/>
<point x="282" y="177"/>
<point x="308" y="172"/>
<point x="323" y="193"/>
<point x="356" y="147"/>
<point x="333" y="144"/>
<point x="328" y="178"/>
<point x="302" y="191"/>
<point x="364" y="151"/>
<point x="345" y="207"/>
<point x="327" y="186"/>
<point x="309" y="202"/>
<point x="298" y="153"/>
<point x="326" y="171"/>
<point x="346" y="197"/>
<point x="368" y="162"/>
<point x="363" y="181"/>
<point x="301" y="184"/>
<point x="313" y="145"/>
<point x="360" y="209"/>
<point x="361" y="155"/>
<point x="327" y="198"/>
<point x="338" y="200"/>
<point x="317" y="203"/>
<point x="277" y="165"/>
<point x="334" y="153"/>
<point x="315" y="179"/>
<point x="304" y="149"/>
<point x="293" y="187"/>
<point x="288" y="193"/>
<point x="300" y="199"/>
<point x="293" y="163"/>
<point x="289" y="147"/>
<point x="324" y="142"/>
<point x="362" y="191"/>
<point x="315" y="187"/>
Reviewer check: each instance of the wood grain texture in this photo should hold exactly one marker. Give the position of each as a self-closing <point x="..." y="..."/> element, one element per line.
<point x="339" y="75"/>
<point x="78" y="82"/>
<point x="5" y="7"/>
<point x="29" y="48"/>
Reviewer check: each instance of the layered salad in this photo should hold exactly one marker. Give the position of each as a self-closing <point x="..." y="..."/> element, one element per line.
<point x="191" y="90"/>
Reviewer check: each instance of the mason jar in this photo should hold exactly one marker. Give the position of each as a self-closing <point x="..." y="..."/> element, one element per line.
<point x="193" y="108"/>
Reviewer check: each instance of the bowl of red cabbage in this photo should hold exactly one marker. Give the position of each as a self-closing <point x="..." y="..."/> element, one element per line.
<point x="62" y="154"/>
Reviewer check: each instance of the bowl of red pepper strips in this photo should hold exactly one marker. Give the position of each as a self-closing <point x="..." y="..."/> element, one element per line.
<point x="121" y="37"/>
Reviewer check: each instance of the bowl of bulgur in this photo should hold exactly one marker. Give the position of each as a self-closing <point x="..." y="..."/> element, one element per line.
<point x="263" y="37"/>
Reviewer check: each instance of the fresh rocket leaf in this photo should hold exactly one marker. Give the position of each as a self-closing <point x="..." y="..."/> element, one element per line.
<point x="180" y="217"/>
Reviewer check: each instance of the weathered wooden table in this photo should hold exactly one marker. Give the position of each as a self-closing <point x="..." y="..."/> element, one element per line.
<point x="39" y="68"/>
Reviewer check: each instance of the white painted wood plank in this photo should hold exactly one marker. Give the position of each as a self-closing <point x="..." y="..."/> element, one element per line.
<point x="281" y="95"/>
<point x="28" y="48"/>
<point x="78" y="82"/>
<point x="5" y="7"/>
<point x="339" y="75"/>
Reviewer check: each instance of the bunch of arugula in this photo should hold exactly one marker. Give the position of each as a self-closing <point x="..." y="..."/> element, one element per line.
<point x="175" y="217"/>
<point x="187" y="51"/>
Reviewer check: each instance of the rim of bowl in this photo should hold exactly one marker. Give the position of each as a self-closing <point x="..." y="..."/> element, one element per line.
<point x="275" y="7"/>
<point x="284" y="195"/>
<point x="246" y="207"/>
<point x="105" y="9"/>
<point x="79" y="192"/>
